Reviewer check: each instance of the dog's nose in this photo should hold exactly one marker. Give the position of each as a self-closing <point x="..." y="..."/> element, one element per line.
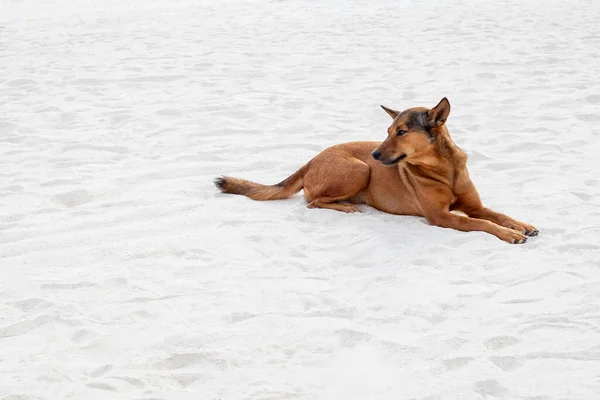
<point x="376" y="154"/>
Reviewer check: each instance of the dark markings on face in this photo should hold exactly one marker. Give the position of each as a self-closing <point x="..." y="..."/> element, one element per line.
<point x="416" y="121"/>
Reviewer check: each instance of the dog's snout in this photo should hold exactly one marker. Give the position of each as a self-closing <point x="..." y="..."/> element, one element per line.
<point x="376" y="154"/>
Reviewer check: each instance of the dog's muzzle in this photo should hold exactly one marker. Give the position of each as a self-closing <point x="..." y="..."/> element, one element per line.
<point x="394" y="161"/>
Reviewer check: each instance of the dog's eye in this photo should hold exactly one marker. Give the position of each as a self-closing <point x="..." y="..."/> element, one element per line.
<point x="400" y="132"/>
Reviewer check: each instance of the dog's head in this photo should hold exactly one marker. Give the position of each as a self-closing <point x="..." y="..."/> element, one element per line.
<point x="412" y="133"/>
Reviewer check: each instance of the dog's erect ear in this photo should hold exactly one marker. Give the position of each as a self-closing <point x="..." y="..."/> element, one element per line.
<point x="392" y="113"/>
<point x="437" y="115"/>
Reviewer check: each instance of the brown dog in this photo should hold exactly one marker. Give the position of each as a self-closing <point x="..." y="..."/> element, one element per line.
<point x="417" y="170"/>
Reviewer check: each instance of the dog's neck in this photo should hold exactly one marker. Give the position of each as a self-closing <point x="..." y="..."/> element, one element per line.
<point x="447" y="149"/>
<point x="442" y="160"/>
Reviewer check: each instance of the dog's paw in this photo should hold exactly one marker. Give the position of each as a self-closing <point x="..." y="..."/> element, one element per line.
<point x="350" y="208"/>
<point x="512" y="236"/>
<point x="529" y="230"/>
<point x="526" y="229"/>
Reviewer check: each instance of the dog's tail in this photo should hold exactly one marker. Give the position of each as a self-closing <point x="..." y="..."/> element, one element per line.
<point x="283" y="190"/>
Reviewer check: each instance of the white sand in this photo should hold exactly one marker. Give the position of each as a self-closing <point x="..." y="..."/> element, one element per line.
<point x="125" y="275"/>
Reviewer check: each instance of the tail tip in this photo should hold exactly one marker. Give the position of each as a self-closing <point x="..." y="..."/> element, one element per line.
<point x="220" y="182"/>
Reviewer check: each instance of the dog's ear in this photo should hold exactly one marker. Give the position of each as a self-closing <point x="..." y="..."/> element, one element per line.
<point x="392" y="113"/>
<point x="437" y="115"/>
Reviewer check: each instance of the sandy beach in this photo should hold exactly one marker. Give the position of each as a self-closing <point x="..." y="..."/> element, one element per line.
<point x="125" y="274"/>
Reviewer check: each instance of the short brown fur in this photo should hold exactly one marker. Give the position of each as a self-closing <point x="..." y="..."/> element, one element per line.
<point x="417" y="170"/>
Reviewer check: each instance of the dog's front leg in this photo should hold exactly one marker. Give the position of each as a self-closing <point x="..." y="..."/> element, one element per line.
<point x="470" y="203"/>
<point x="446" y="219"/>
<point x="501" y="219"/>
<point x="435" y="202"/>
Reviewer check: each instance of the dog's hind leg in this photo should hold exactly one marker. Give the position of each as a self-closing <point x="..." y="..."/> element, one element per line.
<point x="325" y="202"/>
<point x="333" y="178"/>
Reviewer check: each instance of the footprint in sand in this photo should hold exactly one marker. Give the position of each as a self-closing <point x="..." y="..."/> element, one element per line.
<point x="83" y="337"/>
<point x="21" y="83"/>
<point x="168" y="112"/>
<point x="506" y="363"/>
<point x="22" y="327"/>
<point x="588" y="117"/>
<point x="490" y="387"/>
<point x="351" y="337"/>
<point x="177" y="361"/>
<point x="101" y="386"/>
<point x="100" y="371"/>
<point x="499" y="342"/>
<point x="29" y="305"/>
<point x="457" y="362"/>
<point x="187" y="379"/>
<point x="132" y="381"/>
<point x="594" y="99"/>
<point x="74" y="198"/>
<point x="68" y="286"/>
